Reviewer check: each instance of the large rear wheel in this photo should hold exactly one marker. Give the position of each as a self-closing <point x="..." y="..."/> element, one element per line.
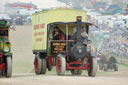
<point x="8" y="70"/>
<point x="92" y="67"/>
<point x="60" y="65"/>
<point x="38" y="65"/>
<point x="44" y="66"/>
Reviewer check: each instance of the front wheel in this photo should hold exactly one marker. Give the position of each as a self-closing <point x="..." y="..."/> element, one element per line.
<point x="8" y="70"/>
<point x="92" y="67"/>
<point x="60" y="65"/>
<point x="38" y="65"/>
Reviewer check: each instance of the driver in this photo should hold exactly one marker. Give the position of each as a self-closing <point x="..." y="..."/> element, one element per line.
<point x="57" y="34"/>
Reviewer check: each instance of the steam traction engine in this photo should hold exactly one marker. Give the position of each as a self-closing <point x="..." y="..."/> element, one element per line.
<point x="5" y="50"/>
<point x="70" y="52"/>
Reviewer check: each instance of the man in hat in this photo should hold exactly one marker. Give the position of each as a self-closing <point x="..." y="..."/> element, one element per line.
<point x="57" y="34"/>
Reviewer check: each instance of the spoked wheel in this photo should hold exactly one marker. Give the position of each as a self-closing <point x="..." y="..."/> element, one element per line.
<point x="92" y="67"/>
<point x="60" y="65"/>
<point x="8" y="70"/>
<point x="44" y="66"/>
<point x="38" y="65"/>
<point x="115" y="67"/>
<point x="76" y="71"/>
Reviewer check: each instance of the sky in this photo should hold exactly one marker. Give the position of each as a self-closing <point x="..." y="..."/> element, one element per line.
<point x="40" y="3"/>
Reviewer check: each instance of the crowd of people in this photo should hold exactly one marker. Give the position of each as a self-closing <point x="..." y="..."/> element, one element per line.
<point x="111" y="35"/>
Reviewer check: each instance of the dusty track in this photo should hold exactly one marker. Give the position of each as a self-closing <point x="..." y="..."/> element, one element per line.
<point x="23" y="67"/>
<point x="111" y="78"/>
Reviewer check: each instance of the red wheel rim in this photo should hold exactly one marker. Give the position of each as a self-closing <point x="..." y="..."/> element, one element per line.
<point x="58" y="65"/>
<point x="36" y="64"/>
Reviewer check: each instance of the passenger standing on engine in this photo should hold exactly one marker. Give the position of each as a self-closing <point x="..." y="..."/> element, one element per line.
<point x="84" y="35"/>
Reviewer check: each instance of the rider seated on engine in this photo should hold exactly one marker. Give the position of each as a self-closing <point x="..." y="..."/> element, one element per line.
<point x="58" y="34"/>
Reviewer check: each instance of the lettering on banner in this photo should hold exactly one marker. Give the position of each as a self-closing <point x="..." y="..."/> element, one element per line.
<point x="38" y="34"/>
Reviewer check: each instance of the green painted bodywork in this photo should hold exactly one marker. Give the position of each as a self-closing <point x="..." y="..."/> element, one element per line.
<point x="4" y="41"/>
<point x="3" y="45"/>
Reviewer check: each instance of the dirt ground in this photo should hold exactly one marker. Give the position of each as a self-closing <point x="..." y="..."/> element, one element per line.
<point x="23" y="67"/>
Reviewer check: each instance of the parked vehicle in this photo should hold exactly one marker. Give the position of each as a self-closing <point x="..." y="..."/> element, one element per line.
<point x="19" y="21"/>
